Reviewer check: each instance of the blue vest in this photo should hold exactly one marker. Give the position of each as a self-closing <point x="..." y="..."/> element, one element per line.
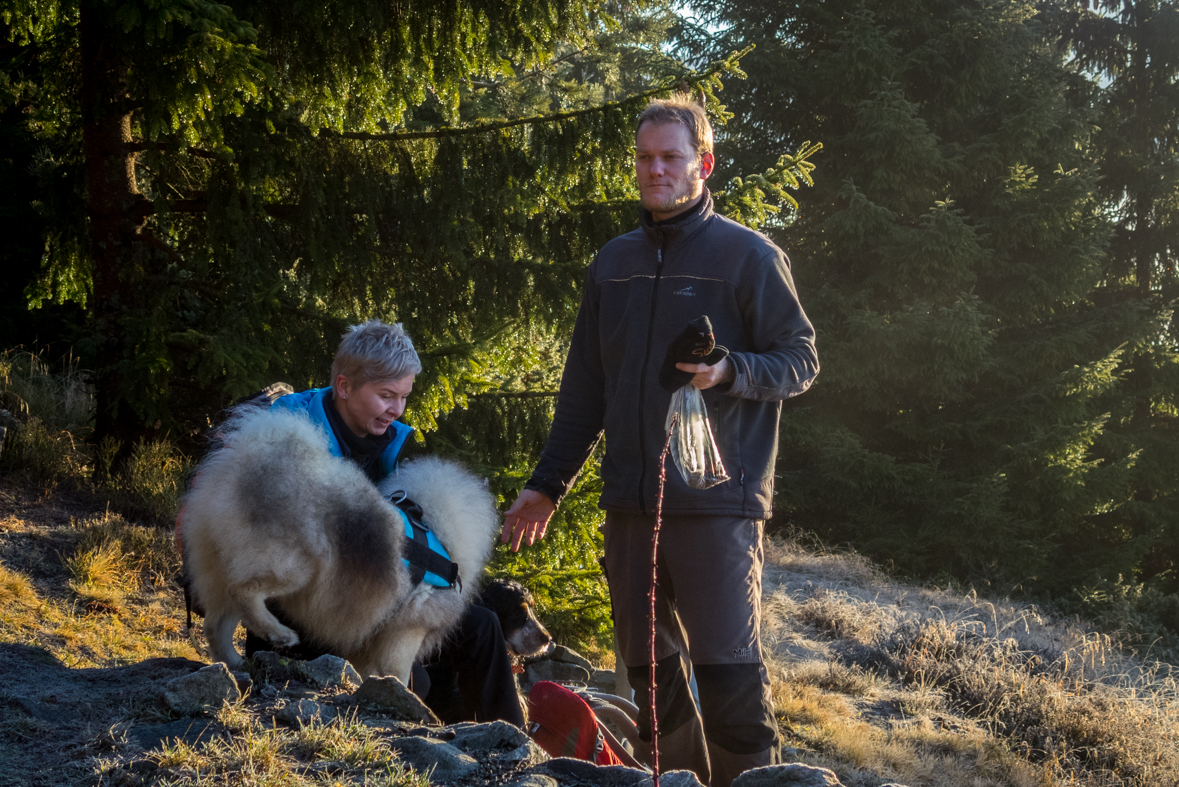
<point x="312" y="403"/>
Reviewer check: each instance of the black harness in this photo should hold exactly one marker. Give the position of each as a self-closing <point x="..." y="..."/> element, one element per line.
<point x="416" y="551"/>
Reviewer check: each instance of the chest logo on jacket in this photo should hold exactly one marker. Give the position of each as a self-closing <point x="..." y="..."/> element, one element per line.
<point x="686" y="292"/>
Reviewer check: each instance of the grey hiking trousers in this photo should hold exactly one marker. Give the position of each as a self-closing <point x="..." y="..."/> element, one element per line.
<point x="708" y="622"/>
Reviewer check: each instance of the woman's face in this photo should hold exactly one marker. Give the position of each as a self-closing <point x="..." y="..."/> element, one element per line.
<point x="371" y="407"/>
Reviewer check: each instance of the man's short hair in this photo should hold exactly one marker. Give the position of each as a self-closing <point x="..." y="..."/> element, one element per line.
<point x="375" y="351"/>
<point x="684" y="111"/>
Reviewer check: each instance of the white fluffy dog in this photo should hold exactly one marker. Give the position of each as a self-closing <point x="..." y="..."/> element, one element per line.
<point x="273" y="515"/>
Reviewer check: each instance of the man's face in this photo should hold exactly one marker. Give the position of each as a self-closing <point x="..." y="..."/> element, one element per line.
<point x="671" y="175"/>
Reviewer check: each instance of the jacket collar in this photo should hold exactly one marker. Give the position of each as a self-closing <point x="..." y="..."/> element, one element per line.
<point x="682" y="226"/>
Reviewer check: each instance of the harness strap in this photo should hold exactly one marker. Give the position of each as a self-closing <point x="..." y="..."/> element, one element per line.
<point x="421" y="559"/>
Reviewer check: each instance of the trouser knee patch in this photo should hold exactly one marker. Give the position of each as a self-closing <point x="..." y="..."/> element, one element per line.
<point x="673" y="696"/>
<point x="736" y="711"/>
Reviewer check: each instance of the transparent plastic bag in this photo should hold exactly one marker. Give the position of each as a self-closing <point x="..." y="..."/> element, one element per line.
<point x="693" y="448"/>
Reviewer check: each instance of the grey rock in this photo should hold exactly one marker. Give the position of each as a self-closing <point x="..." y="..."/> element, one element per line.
<point x="244" y="682"/>
<point x="675" y="779"/>
<point x="533" y="780"/>
<point x="557" y="671"/>
<point x="603" y="680"/>
<point x="567" y="769"/>
<point x="440" y="761"/>
<point x="391" y="695"/>
<point x="526" y="754"/>
<point x="304" y="712"/>
<point x="567" y="656"/>
<point x="266" y="665"/>
<point x="483" y="739"/>
<point x="207" y="687"/>
<point x="188" y="731"/>
<point x="328" y="670"/>
<point x="793" y="775"/>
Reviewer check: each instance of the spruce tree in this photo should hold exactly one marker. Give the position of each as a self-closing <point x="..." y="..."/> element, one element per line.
<point x="951" y="257"/>
<point x="1131" y="50"/>
<point x="243" y="180"/>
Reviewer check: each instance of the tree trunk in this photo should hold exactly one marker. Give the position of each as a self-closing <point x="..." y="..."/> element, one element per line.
<point x="116" y="213"/>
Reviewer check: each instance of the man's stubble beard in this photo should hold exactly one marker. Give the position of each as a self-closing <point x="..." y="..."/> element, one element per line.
<point x="672" y="203"/>
<point x="677" y="200"/>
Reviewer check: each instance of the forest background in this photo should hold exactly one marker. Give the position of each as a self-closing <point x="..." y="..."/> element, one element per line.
<point x="200" y="197"/>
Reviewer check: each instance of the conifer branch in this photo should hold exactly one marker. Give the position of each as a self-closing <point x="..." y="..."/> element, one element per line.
<point x="201" y="205"/>
<point x="533" y="73"/>
<point x="140" y="146"/>
<point x="513" y="395"/>
<point x="696" y="80"/>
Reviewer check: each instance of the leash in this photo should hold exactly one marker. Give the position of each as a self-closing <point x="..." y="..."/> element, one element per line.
<point x="654" y="573"/>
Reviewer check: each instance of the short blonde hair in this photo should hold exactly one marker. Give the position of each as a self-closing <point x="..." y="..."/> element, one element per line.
<point x="684" y="111"/>
<point x="375" y="351"/>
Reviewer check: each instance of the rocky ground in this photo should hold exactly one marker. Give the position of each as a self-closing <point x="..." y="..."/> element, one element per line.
<point x="175" y="721"/>
<point x="875" y="682"/>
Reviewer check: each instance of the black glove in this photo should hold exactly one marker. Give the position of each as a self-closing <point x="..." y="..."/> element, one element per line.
<point x="695" y="344"/>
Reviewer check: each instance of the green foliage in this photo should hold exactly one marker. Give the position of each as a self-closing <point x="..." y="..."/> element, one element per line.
<point x="1129" y="48"/>
<point x="951" y="256"/>
<point x="226" y="186"/>
<point x="562" y="570"/>
<point x="744" y="199"/>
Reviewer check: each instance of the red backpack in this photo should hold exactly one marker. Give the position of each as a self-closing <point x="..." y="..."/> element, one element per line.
<point x="564" y="725"/>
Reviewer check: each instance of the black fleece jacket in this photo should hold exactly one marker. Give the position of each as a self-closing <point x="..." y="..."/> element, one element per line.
<point x="640" y="292"/>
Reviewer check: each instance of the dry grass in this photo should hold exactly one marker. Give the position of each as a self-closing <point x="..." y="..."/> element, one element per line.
<point x="120" y="605"/>
<point x="148" y="552"/>
<point x="63" y="401"/>
<point x="879" y="680"/>
<point x="16" y="592"/>
<point x="342" y="751"/>
<point x="114" y="557"/>
<point x="55" y="410"/>
<point x="1066" y="709"/>
<point x="148" y="486"/>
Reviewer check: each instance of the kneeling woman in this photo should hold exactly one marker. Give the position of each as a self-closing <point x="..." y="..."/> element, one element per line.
<point x="372" y="377"/>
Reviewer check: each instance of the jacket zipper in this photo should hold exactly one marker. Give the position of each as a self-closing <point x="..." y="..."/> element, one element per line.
<point x="643" y="374"/>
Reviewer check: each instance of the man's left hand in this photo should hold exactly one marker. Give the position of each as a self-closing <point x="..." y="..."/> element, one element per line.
<point x="707" y="376"/>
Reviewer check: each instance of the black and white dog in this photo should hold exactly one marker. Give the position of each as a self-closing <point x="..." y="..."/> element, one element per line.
<point x="513" y="604"/>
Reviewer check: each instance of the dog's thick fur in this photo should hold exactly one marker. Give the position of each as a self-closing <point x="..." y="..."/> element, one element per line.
<point x="272" y="515"/>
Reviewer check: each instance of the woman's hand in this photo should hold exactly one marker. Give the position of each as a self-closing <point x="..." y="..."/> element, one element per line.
<point x="527" y="518"/>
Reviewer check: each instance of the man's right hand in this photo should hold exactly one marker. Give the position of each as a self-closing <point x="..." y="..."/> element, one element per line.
<point x="528" y="518"/>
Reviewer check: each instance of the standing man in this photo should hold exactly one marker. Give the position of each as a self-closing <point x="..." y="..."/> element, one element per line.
<point x="684" y="261"/>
